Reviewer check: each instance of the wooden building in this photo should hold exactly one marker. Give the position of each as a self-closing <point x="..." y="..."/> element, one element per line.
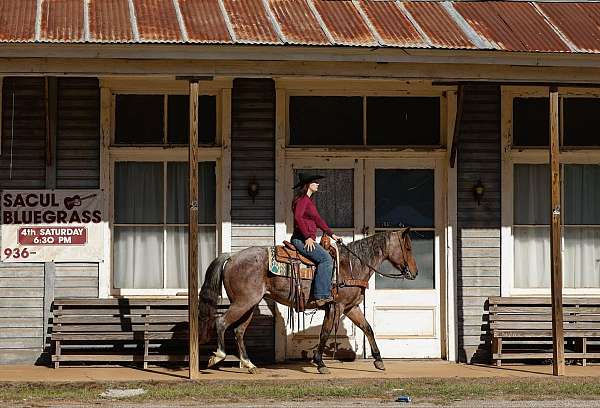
<point x="405" y="107"/>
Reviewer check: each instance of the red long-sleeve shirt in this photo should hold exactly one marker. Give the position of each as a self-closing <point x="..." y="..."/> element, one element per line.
<point x="307" y="219"/>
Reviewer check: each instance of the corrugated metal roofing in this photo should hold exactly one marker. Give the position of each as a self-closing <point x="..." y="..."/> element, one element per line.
<point x="484" y="25"/>
<point x="62" y="20"/>
<point x="109" y="21"/>
<point x="392" y="26"/>
<point x="204" y="21"/>
<point x="344" y="23"/>
<point x="440" y="27"/>
<point x="250" y="22"/>
<point x="156" y="20"/>
<point x="298" y="24"/>
<point x="17" y="23"/>
<point x="579" y="22"/>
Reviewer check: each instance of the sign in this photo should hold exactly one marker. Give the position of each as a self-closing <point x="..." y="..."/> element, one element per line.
<point x="52" y="226"/>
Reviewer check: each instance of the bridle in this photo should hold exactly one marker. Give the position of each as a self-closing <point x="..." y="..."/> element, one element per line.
<point x="404" y="272"/>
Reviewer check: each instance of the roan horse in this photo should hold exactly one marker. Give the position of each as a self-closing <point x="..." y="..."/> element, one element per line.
<point x="247" y="280"/>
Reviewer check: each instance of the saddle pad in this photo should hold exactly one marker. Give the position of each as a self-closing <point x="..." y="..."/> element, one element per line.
<point x="285" y="269"/>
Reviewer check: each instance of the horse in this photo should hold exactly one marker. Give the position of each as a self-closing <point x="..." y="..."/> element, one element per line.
<point x="247" y="281"/>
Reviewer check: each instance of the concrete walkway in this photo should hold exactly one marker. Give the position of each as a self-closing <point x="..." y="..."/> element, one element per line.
<point x="361" y="369"/>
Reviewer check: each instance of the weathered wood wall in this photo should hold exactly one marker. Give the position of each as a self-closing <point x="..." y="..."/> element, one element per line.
<point x="27" y="290"/>
<point x="478" y="225"/>
<point x="252" y="158"/>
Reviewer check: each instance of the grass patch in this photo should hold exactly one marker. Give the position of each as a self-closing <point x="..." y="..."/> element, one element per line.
<point x="421" y="390"/>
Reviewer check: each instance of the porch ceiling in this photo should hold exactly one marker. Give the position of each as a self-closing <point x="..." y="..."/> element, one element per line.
<point x="572" y="27"/>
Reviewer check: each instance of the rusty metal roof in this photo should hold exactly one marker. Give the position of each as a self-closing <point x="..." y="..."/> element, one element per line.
<point x="572" y="27"/>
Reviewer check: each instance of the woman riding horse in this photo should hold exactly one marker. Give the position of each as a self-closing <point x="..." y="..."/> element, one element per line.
<point x="306" y="221"/>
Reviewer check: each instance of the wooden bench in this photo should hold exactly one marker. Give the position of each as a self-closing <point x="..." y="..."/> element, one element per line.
<point x="521" y="328"/>
<point x="136" y="330"/>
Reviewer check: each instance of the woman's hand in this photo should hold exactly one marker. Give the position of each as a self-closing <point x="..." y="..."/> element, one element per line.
<point x="309" y="244"/>
<point x="336" y="238"/>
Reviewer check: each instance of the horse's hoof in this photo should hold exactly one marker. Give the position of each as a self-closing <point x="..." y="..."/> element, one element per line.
<point x="216" y="359"/>
<point x="323" y="370"/>
<point x="253" y="370"/>
<point x="379" y="365"/>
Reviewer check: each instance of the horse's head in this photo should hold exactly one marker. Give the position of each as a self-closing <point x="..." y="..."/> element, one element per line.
<point x="400" y="253"/>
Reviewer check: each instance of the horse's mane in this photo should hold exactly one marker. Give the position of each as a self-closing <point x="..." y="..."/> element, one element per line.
<point x="367" y="248"/>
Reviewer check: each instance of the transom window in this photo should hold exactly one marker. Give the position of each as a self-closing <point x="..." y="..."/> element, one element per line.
<point x="162" y="119"/>
<point x="365" y="120"/>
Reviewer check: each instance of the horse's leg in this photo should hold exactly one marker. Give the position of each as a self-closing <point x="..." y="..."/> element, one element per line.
<point x="331" y="313"/>
<point x="232" y="315"/>
<point x="239" y="336"/>
<point x="358" y="318"/>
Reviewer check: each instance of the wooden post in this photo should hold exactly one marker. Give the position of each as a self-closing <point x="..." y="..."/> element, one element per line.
<point x="558" y="349"/>
<point x="193" y="235"/>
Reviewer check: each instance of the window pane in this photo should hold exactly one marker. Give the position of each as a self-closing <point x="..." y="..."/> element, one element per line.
<point x="139" y="119"/>
<point x="177" y="193"/>
<point x="138" y="193"/>
<point x="138" y="257"/>
<point x="532" y="257"/>
<point x="582" y="194"/>
<point x="179" y="119"/>
<point x="582" y="257"/>
<point x="335" y="198"/>
<point x="403" y="121"/>
<point x="404" y="197"/>
<point x="177" y="256"/>
<point x="326" y="120"/>
<point x="423" y="251"/>
<point x="582" y="121"/>
<point x="532" y="194"/>
<point x="531" y="117"/>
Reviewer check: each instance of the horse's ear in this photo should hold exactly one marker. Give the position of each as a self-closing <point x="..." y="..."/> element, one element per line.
<point x="405" y="232"/>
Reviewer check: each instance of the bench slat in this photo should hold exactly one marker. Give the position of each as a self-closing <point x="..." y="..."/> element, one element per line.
<point x="497" y="300"/>
<point x="92" y="320"/>
<point x="544" y="325"/>
<point x="542" y="309"/>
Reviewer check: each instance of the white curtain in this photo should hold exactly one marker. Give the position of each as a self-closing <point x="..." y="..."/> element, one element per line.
<point x="531" y="232"/>
<point x="582" y="221"/>
<point x="139" y="251"/>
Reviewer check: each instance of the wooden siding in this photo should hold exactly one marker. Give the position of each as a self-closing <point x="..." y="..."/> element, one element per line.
<point x="252" y="158"/>
<point x="478" y="225"/>
<point x="76" y="280"/>
<point x="78" y="133"/>
<point x="21" y="312"/>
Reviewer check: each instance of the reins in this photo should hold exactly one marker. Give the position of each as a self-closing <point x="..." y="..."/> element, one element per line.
<point x="362" y="261"/>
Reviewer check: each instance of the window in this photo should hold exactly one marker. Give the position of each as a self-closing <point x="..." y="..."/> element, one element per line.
<point x="526" y="234"/>
<point x="340" y="120"/>
<point x="403" y="120"/>
<point x="141" y="119"/>
<point x="150" y="229"/>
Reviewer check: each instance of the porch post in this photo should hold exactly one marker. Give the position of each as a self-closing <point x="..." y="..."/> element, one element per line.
<point x="558" y="348"/>
<point x="193" y="235"/>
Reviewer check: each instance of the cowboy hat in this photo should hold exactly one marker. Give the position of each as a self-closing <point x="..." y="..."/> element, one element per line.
<point x="305" y="178"/>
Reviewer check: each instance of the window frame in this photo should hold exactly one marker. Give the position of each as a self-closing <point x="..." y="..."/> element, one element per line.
<point x="533" y="155"/>
<point x="220" y="153"/>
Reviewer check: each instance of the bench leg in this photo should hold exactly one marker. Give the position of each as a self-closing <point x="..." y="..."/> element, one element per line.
<point x="497" y="349"/>
<point x="584" y="351"/>
<point x="146" y="353"/>
<point x="57" y="352"/>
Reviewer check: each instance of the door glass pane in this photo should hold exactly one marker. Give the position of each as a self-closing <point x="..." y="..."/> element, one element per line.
<point x="532" y="194"/>
<point x="530" y="122"/>
<point x="423" y="251"/>
<point x="335" y="198"/>
<point x="138" y="193"/>
<point x="581" y="119"/>
<point x="404" y="198"/>
<point x="532" y="257"/>
<point x="138" y="258"/>
<point x="177" y="256"/>
<point x="178" y="123"/>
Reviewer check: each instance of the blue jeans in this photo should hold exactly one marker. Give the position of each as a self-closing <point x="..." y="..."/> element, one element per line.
<point x="322" y="282"/>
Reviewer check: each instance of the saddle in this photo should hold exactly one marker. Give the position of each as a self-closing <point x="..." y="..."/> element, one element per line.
<point x="301" y="268"/>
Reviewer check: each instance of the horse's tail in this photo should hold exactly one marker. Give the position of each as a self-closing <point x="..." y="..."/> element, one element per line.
<point x="209" y="295"/>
